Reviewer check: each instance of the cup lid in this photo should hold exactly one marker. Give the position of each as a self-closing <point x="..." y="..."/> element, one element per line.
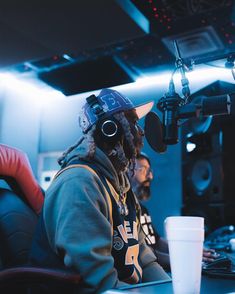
<point x="192" y="222"/>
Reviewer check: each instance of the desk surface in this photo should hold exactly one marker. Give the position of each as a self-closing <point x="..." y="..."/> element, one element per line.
<point x="208" y="286"/>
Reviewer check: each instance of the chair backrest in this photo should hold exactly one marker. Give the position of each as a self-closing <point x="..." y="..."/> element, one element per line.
<point x="17" y="226"/>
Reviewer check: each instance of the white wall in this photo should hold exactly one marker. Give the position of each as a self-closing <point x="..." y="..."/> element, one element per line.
<point x="20" y="119"/>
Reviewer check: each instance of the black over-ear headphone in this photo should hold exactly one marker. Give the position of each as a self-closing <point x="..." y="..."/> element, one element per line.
<point x="109" y="128"/>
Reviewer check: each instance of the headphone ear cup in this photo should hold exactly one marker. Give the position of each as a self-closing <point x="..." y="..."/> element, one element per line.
<point x="110" y="129"/>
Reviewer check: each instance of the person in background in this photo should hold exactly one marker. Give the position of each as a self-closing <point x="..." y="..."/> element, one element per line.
<point x="140" y="181"/>
<point x="90" y="220"/>
<point x="15" y="168"/>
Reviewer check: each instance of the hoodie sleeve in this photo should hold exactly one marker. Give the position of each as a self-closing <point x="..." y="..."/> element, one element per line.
<point x="152" y="271"/>
<point x="77" y="222"/>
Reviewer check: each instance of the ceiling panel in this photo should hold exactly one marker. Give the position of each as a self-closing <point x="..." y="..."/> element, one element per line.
<point x="36" y="35"/>
<point x="35" y="29"/>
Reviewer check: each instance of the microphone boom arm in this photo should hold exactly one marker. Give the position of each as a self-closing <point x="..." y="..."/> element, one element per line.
<point x="181" y="66"/>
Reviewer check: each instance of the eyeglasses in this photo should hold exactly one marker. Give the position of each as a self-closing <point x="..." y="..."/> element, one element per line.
<point x="144" y="170"/>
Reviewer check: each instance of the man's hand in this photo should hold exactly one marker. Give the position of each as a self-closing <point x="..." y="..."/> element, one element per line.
<point x="209" y="255"/>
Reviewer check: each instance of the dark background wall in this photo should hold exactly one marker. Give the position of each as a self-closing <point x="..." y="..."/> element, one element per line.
<point x="208" y="170"/>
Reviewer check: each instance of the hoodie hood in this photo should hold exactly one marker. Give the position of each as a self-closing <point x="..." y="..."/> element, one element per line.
<point x="119" y="181"/>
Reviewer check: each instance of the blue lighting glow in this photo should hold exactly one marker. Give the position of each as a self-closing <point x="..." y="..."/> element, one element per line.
<point x="30" y="86"/>
<point x="190" y="146"/>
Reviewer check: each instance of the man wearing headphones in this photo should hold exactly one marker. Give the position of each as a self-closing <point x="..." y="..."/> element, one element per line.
<point x="90" y="219"/>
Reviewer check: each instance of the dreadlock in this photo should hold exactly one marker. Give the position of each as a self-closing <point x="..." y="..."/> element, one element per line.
<point x="124" y="158"/>
<point x="90" y="147"/>
<point x="127" y="133"/>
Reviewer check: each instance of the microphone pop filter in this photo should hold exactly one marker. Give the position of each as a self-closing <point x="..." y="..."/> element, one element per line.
<point x="153" y="132"/>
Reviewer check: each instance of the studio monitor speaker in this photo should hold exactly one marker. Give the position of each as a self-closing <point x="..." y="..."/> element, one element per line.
<point x="215" y="215"/>
<point x="208" y="163"/>
<point x="202" y="168"/>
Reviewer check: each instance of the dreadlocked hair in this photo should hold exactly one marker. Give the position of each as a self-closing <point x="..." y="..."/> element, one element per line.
<point x="118" y="158"/>
<point x="90" y="146"/>
<point x="128" y="136"/>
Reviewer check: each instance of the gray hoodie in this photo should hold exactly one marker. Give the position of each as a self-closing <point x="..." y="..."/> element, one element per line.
<point x="77" y="215"/>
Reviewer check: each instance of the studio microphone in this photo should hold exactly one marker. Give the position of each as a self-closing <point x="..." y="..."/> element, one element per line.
<point x="171" y="102"/>
<point x="169" y="105"/>
<point x="173" y="108"/>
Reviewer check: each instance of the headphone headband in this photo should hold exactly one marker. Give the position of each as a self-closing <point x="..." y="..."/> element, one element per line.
<point x="95" y="105"/>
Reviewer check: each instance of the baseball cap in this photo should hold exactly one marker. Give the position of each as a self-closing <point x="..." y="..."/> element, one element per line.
<point x="112" y="102"/>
